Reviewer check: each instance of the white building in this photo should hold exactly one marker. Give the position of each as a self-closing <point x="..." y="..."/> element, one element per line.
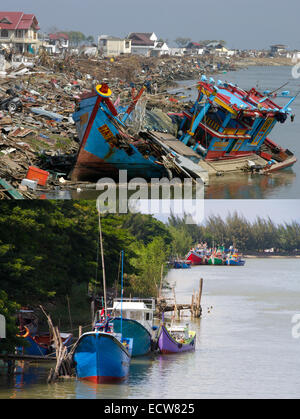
<point x="142" y="43"/>
<point x="111" y="46"/>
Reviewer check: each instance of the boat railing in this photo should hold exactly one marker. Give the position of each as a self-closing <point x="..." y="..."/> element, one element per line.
<point x="149" y="302"/>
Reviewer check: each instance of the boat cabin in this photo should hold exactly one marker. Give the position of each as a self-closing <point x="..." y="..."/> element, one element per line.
<point x="141" y="310"/>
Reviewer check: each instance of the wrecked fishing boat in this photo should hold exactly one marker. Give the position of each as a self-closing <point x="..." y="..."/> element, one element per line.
<point x="229" y="128"/>
<point x="107" y="145"/>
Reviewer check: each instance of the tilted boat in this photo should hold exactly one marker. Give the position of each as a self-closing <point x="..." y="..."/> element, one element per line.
<point x="176" y="339"/>
<point x="107" y="146"/>
<point x="230" y="125"/>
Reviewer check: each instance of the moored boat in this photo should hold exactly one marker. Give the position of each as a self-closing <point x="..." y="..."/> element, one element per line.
<point x="181" y="264"/>
<point x="102" y="357"/>
<point x="41" y="344"/>
<point x="235" y="260"/>
<point x="176" y="339"/>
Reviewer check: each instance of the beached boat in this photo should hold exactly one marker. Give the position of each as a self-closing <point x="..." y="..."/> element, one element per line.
<point x="102" y="357"/>
<point x="134" y="320"/>
<point x="107" y="146"/>
<point x="228" y="124"/>
<point x="176" y="339"/>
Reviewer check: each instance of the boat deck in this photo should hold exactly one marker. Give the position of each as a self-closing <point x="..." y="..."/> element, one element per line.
<point x="230" y="165"/>
<point x="175" y="144"/>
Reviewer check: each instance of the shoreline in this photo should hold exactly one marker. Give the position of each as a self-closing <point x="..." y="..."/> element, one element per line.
<point x="271" y="256"/>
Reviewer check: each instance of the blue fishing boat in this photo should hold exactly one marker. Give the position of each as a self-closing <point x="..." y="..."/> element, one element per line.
<point x="235" y="260"/>
<point x="105" y="146"/>
<point x="181" y="264"/>
<point x="102" y="357"/>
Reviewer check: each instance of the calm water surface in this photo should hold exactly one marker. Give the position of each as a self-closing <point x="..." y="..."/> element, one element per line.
<point x="244" y="349"/>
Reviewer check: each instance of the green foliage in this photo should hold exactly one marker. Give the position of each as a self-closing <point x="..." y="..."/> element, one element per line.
<point x="8" y="309"/>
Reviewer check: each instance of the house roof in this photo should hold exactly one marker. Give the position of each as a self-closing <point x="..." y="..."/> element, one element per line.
<point x="58" y="35"/>
<point x="141" y="39"/>
<point x="194" y="45"/>
<point x="17" y="20"/>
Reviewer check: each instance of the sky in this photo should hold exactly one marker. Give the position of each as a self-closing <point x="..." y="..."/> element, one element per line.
<point x="243" y="24"/>
<point x="279" y="210"/>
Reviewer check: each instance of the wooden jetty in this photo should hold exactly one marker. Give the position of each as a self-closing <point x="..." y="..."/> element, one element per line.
<point x="165" y="304"/>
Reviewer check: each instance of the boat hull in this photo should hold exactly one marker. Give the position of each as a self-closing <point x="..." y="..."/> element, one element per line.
<point x="195" y="259"/>
<point x="100" y="358"/>
<point x="100" y="154"/>
<point x="168" y="345"/>
<point x="235" y="262"/>
<point x="40" y="345"/>
<point x="215" y="261"/>
<point x="134" y="330"/>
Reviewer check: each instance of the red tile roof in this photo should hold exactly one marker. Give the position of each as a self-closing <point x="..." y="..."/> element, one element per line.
<point x="17" y="20"/>
<point x="141" y="39"/>
<point x="57" y="36"/>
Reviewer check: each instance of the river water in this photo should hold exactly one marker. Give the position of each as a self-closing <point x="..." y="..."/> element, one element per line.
<point x="245" y="347"/>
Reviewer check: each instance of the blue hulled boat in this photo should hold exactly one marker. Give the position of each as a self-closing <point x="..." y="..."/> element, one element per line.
<point x="105" y="147"/>
<point x="235" y="260"/>
<point x="102" y="357"/>
<point x="181" y="264"/>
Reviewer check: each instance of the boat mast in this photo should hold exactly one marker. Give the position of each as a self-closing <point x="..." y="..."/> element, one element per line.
<point x="122" y="253"/>
<point x="103" y="266"/>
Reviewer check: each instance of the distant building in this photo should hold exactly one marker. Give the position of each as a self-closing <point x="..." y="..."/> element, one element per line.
<point x="161" y="48"/>
<point x="19" y="31"/>
<point x="278" y="50"/>
<point x="111" y="46"/>
<point x="195" y="48"/>
<point x="142" y="43"/>
<point x="177" y="51"/>
<point x="57" y="42"/>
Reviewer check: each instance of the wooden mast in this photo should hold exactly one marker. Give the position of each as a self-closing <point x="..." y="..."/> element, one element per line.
<point x="103" y="266"/>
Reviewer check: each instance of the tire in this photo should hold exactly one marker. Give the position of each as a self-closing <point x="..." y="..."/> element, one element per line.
<point x="12" y="107"/>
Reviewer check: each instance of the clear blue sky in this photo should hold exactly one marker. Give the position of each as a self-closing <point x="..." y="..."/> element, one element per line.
<point x="243" y="24"/>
